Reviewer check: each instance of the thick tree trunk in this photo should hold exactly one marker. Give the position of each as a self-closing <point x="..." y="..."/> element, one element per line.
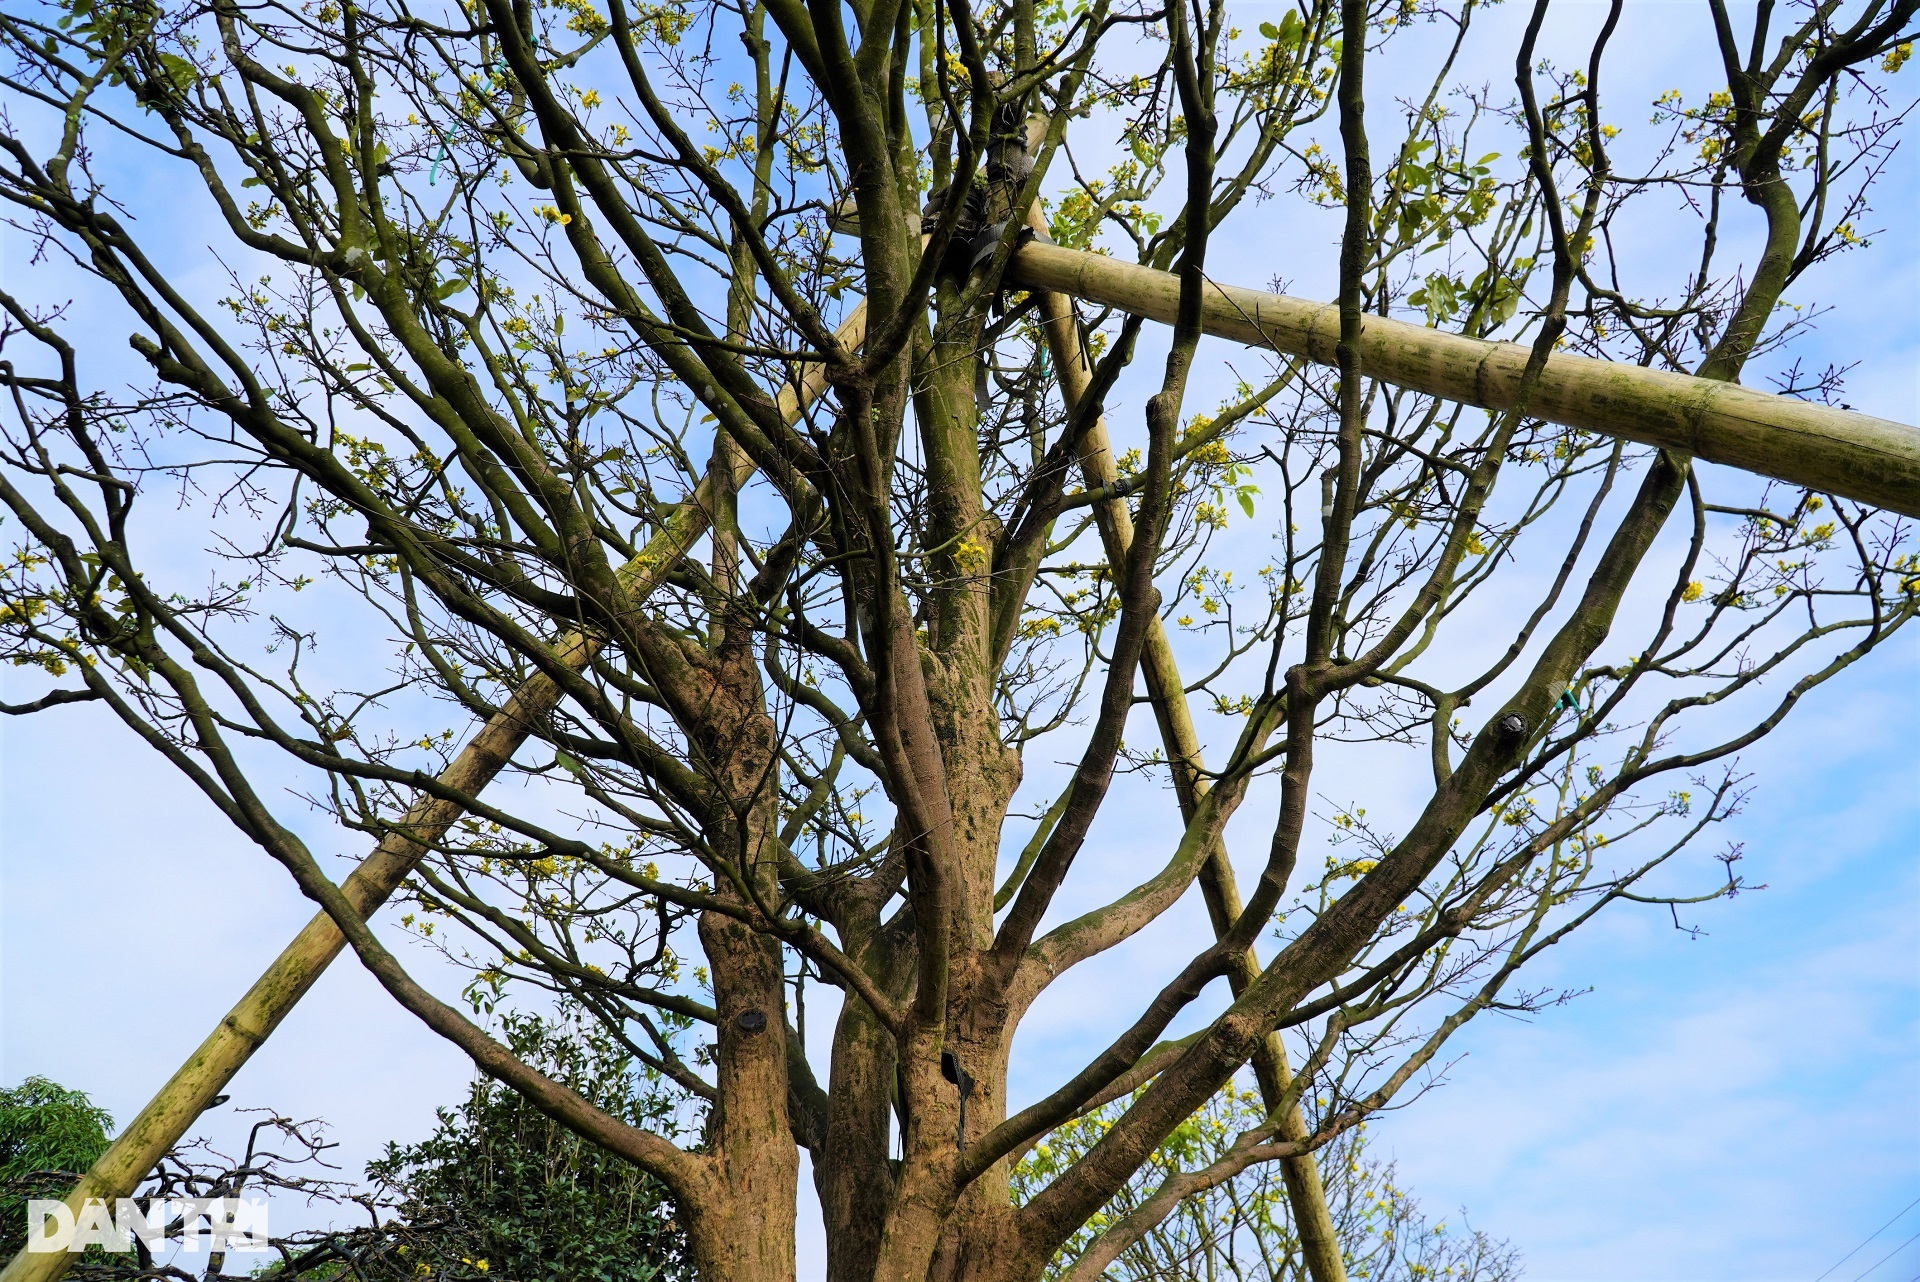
<point x="759" y="1166"/>
<point x="982" y="773"/>
<point x="853" y="1170"/>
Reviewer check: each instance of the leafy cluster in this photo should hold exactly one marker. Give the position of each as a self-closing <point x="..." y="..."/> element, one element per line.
<point x="502" y="1191"/>
<point x="48" y="1136"/>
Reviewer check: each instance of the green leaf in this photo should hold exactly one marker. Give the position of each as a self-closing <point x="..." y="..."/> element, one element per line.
<point x="182" y="73"/>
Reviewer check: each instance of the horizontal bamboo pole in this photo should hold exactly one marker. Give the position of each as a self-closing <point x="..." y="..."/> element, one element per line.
<point x="1857" y="456"/>
<point x="192" y="1088"/>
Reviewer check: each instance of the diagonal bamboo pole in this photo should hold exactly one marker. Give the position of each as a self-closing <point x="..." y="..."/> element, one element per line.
<point x="191" y="1090"/>
<point x="1857" y="456"/>
<point x="1313" y="1222"/>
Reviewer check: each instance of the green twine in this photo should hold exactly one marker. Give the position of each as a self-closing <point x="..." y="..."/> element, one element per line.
<point x="433" y="171"/>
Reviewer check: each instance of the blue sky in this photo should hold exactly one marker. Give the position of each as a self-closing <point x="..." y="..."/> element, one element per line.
<point x="1740" y="1106"/>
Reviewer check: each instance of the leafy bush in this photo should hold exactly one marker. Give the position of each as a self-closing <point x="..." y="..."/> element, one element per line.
<point x="502" y="1191"/>
<point x="49" y="1135"/>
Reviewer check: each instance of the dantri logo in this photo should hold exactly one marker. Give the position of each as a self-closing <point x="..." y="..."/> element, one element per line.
<point x="232" y="1224"/>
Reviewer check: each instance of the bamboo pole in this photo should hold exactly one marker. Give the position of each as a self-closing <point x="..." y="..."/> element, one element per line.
<point x="191" y="1090"/>
<point x="1306" y="1194"/>
<point x="1856" y="456"/>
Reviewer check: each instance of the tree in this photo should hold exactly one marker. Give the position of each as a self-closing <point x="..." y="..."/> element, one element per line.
<point x="47" y="1134"/>
<point x="501" y="1191"/>
<point x="529" y="362"/>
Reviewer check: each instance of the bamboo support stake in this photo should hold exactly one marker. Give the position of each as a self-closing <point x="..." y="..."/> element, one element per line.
<point x="191" y="1090"/>
<point x="1313" y="1222"/>
<point x="1857" y="456"/>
